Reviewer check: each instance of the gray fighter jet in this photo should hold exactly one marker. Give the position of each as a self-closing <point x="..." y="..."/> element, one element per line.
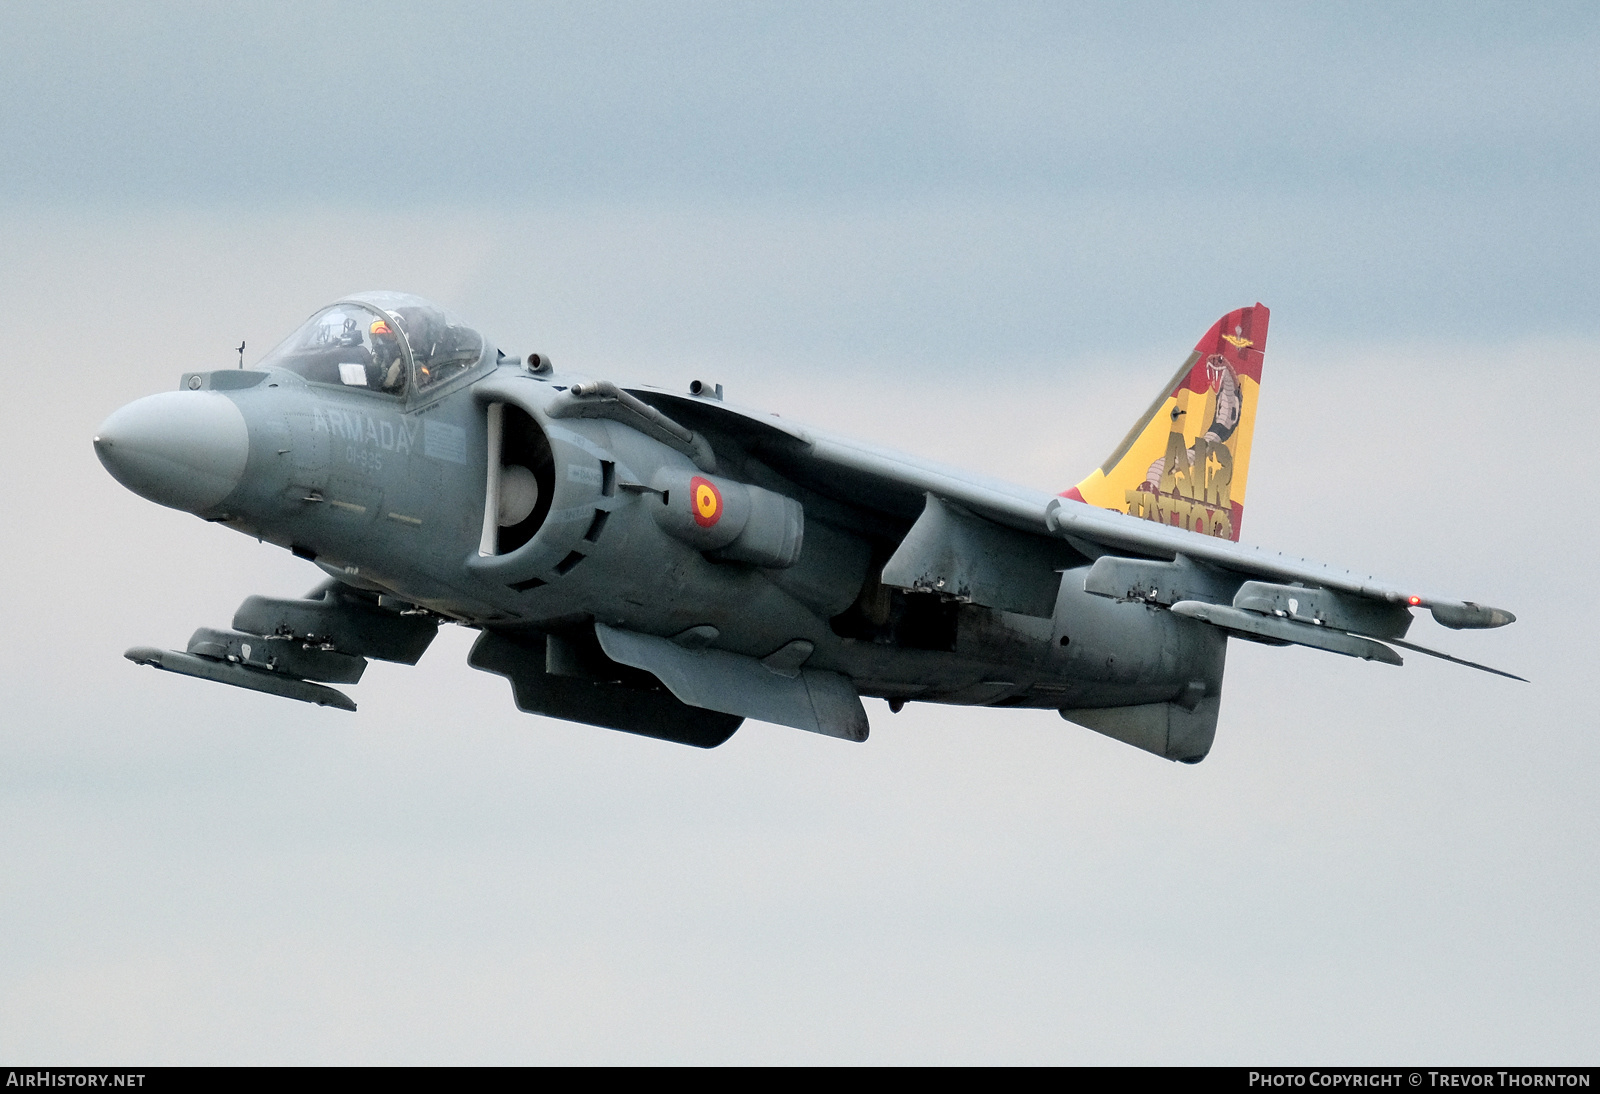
<point x="669" y="564"/>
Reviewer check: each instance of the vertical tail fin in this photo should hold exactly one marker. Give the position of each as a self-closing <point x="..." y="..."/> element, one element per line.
<point x="1186" y="461"/>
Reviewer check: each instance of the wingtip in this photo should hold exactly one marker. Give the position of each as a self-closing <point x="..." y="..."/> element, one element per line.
<point x="1465" y="615"/>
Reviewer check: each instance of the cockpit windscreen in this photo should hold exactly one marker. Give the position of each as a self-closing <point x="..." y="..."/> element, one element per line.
<point x="380" y="341"/>
<point x="442" y="346"/>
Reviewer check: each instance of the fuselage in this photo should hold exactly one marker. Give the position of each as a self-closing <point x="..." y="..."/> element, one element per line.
<point x="670" y="564"/>
<point x="392" y="493"/>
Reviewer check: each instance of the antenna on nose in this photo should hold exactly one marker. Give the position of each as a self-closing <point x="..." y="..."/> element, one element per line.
<point x="241" y="353"/>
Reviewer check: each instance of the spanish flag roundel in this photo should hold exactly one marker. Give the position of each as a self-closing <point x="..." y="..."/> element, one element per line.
<point x="706" y="501"/>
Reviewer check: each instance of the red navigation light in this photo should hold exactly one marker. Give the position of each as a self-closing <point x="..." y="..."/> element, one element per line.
<point x="1414" y="601"/>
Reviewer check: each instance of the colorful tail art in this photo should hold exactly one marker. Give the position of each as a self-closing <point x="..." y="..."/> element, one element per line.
<point x="1186" y="462"/>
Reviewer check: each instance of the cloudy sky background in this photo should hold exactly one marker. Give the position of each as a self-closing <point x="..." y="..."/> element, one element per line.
<point x="981" y="233"/>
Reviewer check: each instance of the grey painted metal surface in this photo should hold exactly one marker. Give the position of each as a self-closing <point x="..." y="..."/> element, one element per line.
<point x="810" y="699"/>
<point x="278" y="653"/>
<point x="239" y="676"/>
<point x="950" y="552"/>
<point x="338" y="620"/>
<point x="1153" y="582"/>
<point x="186" y="450"/>
<point x="1286" y="631"/>
<point x="1172" y="731"/>
<point x="1324" y="608"/>
<point x="632" y="706"/>
<point x="668" y="564"/>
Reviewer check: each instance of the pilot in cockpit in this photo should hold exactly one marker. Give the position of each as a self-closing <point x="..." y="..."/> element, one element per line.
<point x="388" y="371"/>
<point x="375" y="340"/>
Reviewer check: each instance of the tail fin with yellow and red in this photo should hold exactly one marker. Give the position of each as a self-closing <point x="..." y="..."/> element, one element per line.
<point x="1186" y="461"/>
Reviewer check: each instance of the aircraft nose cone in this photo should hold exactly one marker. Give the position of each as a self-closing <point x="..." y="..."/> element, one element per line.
<point x="183" y="449"/>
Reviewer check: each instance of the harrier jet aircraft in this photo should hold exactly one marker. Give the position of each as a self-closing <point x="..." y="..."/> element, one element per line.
<point x="669" y="564"/>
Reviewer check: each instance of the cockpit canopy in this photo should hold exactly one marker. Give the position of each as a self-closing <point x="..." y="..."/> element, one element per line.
<point x="382" y="341"/>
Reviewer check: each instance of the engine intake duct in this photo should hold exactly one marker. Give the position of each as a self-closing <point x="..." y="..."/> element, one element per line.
<point x="521" y="480"/>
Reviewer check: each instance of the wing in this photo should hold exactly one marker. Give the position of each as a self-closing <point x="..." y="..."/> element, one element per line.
<point x="1003" y="546"/>
<point x="850" y="471"/>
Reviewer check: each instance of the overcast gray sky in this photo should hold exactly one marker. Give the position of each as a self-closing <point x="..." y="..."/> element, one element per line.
<point x="982" y="233"/>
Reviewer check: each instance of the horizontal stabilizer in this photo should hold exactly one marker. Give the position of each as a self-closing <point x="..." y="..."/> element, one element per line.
<point x="223" y="672"/>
